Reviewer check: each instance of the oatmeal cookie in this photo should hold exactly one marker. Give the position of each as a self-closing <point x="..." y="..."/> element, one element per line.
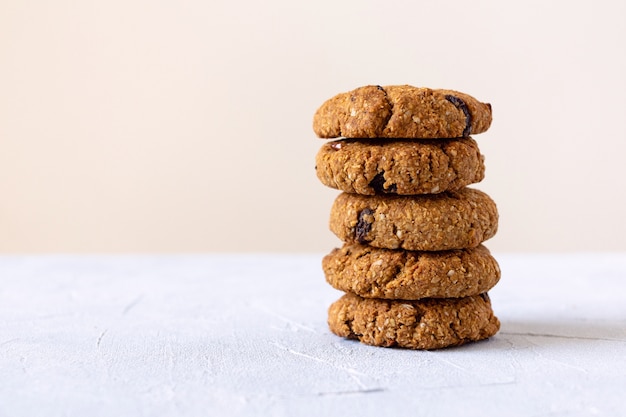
<point x="451" y="220"/>
<point x="401" y="111"/>
<point x="404" y="167"/>
<point x="424" y="324"/>
<point x="409" y="275"/>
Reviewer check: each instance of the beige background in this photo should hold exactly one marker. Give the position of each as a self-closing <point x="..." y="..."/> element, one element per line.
<point x="185" y="126"/>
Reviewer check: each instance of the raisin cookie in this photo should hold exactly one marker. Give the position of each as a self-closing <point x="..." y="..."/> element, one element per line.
<point x="451" y="220"/>
<point x="408" y="275"/>
<point x="425" y="324"/>
<point x="401" y="111"/>
<point x="404" y="167"/>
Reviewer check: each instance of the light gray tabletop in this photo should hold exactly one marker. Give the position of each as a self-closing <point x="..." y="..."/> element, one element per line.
<point x="243" y="335"/>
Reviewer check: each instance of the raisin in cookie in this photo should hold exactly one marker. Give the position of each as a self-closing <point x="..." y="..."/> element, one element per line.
<point x="424" y="324"/>
<point x="409" y="275"/>
<point x="401" y="111"/>
<point x="451" y="220"/>
<point x="404" y="167"/>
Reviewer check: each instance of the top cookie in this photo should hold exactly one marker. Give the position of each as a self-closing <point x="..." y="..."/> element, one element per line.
<point x="401" y="111"/>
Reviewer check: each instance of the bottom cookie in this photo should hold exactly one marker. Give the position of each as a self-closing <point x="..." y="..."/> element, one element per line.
<point x="423" y="324"/>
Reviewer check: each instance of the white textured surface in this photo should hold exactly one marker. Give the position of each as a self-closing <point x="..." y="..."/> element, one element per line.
<point x="246" y="335"/>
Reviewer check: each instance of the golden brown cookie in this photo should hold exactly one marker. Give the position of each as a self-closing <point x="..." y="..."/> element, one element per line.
<point x="424" y="324"/>
<point x="451" y="220"/>
<point x="401" y="111"/>
<point x="409" y="275"/>
<point x="404" y="167"/>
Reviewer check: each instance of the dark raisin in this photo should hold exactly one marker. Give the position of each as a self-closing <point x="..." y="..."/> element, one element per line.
<point x="363" y="225"/>
<point x="419" y="314"/>
<point x="397" y="270"/>
<point x="378" y="184"/>
<point x="460" y="104"/>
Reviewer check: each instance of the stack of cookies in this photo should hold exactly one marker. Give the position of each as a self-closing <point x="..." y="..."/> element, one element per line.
<point x="413" y="268"/>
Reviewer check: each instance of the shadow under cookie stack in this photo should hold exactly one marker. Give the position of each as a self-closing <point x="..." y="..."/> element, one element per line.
<point x="413" y="268"/>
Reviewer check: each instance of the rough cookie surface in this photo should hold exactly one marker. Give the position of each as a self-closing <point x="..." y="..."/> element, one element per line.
<point x="410" y="275"/>
<point x="451" y="220"/>
<point x="425" y="324"/>
<point x="401" y="111"/>
<point x="404" y="167"/>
